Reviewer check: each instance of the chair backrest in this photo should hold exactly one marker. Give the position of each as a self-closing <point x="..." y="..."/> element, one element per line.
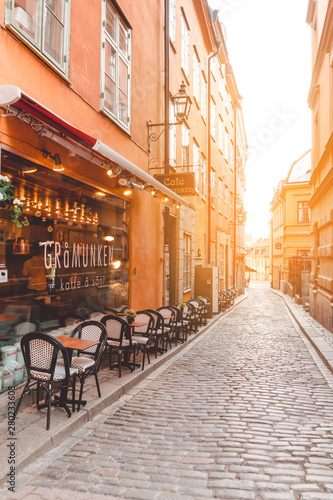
<point x="169" y="315"/>
<point x="205" y="300"/>
<point x="117" y="328"/>
<point x="179" y="314"/>
<point x="24" y="326"/>
<point x="157" y="317"/>
<point x="91" y="330"/>
<point x="195" y="303"/>
<point x="188" y="309"/>
<point x="40" y="352"/>
<point x="148" y="328"/>
<point x="70" y="319"/>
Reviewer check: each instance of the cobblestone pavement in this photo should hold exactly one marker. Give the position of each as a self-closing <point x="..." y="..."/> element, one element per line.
<point x="245" y="412"/>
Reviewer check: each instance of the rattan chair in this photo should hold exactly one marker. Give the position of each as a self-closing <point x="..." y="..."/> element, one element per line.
<point x="119" y="342"/>
<point x="40" y="352"/>
<point x="143" y="336"/>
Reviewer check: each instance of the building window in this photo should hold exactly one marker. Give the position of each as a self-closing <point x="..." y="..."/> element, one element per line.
<point x="172" y="21"/>
<point x="220" y="195"/>
<point x="185" y="46"/>
<point x="172" y="132"/>
<point x="303" y="212"/>
<point x="203" y="175"/>
<point x="196" y="165"/>
<point x="187" y="261"/>
<point x="116" y="48"/>
<point x="221" y="131"/>
<point x="196" y="76"/>
<point x="45" y="24"/>
<point x="203" y="97"/>
<point x="212" y="118"/>
<point x="185" y="147"/>
<point x="212" y="186"/>
<point x="226" y="192"/>
<point x="226" y="145"/>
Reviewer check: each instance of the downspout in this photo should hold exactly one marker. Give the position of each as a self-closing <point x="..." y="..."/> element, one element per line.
<point x="166" y="85"/>
<point x="209" y="155"/>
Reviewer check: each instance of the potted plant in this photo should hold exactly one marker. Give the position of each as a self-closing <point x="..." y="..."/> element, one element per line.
<point x="181" y="306"/>
<point x="130" y="315"/>
<point x="199" y="297"/>
<point x="7" y="200"/>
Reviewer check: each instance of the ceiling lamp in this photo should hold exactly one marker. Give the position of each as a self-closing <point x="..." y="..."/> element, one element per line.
<point x="109" y="238"/>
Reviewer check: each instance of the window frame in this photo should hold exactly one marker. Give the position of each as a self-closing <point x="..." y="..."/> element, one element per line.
<point x="38" y="46"/>
<point x="305" y="211"/>
<point x="187" y="261"/>
<point x="114" y="44"/>
<point x="185" y="45"/>
<point x="172" y="22"/>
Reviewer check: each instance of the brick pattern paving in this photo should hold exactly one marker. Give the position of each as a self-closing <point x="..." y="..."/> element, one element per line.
<point x="243" y="413"/>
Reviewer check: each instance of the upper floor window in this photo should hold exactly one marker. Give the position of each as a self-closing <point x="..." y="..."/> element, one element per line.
<point x="303" y="213"/>
<point x="116" y="49"/>
<point x="196" y="76"/>
<point x="196" y="166"/>
<point x="212" y="118"/>
<point x="185" y="147"/>
<point x="185" y="46"/>
<point x="212" y="184"/>
<point x="203" y="174"/>
<point x="221" y="136"/>
<point x="45" y="25"/>
<point x="172" y="21"/>
<point x="172" y="137"/>
<point x="203" y="96"/>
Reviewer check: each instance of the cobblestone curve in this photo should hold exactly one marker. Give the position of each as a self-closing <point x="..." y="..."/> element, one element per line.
<point x="244" y="413"/>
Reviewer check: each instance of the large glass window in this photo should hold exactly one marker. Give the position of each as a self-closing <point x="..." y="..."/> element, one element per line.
<point x="116" y="48"/>
<point x="45" y="24"/>
<point x="71" y="258"/>
<point x="196" y="165"/>
<point x="196" y="76"/>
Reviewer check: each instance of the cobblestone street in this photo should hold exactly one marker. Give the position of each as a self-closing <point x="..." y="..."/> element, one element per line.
<point x="245" y="412"/>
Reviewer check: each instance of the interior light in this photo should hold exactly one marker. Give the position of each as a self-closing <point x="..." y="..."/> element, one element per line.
<point x="108" y="238"/>
<point x="127" y="192"/>
<point x="100" y="193"/>
<point x="166" y="199"/>
<point x="116" y="264"/>
<point x="153" y="193"/>
<point x="29" y="171"/>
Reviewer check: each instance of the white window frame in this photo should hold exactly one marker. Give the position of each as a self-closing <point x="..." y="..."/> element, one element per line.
<point x="38" y="44"/>
<point x="221" y="127"/>
<point x="196" y="165"/>
<point x="212" y="184"/>
<point x="212" y="118"/>
<point x="172" y="21"/>
<point x="185" y="46"/>
<point x="220" y="196"/>
<point x="172" y="137"/>
<point x="187" y="261"/>
<point x="185" y="147"/>
<point x="119" y="56"/>
<point x="196" y="76"/>
<point x="203" y="175"/>
<point x="203" y="98"/>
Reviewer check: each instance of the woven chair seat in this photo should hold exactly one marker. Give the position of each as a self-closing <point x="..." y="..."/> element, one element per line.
<point x="59" y="373"/>
<point x="115" y="343"/>
<point x="80" y="363"/>
<point x="140" y="340"/>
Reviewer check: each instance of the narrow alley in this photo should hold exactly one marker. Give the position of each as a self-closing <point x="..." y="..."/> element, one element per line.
<point x="245" y="412"/>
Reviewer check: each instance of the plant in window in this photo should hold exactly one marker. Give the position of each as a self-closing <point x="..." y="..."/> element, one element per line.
<point x="14" y="205"/>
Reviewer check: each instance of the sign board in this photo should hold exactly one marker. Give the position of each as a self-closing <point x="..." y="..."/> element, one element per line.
<point x="182" y="184"/>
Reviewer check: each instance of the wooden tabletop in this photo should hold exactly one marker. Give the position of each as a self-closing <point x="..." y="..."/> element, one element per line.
<point x="137" y="323"/>
<point x="75" y="343"/>
<point x="8" y="317"/>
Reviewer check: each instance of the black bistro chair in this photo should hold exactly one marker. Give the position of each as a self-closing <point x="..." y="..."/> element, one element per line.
<point x="40" y="352"/>
<point x="23" y="326"/>
<point x="144" y="336"/>
<point x="88" y="362"/>
<point x="119" y="342"/>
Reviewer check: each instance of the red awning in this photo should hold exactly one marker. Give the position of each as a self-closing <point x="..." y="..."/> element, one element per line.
<point x="13" y="96"/>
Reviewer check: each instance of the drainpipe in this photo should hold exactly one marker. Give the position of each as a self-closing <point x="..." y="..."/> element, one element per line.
<point x="209" y="155"/>
<point x="166" y="85"/>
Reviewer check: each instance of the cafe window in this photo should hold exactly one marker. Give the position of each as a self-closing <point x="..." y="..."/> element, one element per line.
<point x="45" y="25"/>
<point x="72" y="258"/>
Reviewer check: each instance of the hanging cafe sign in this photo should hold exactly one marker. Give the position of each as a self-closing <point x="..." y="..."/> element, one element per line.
<point x="182" y="184"/>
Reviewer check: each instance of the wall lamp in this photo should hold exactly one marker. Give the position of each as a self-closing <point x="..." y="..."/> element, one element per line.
<point x="182" y="103"/>
<point x="123" y="182"/>
<point x="57" y="162"/>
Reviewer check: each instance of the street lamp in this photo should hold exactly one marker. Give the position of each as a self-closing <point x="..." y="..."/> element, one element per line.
<point x="182" y="103"/>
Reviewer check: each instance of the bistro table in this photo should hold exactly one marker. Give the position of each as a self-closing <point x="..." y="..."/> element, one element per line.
<point x="71" y="344"/>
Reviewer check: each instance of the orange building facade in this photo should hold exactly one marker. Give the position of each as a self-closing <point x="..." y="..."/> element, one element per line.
<point x="76" y="96"/>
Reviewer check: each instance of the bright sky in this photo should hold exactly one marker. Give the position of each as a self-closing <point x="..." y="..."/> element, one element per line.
<point x="269" y="48"/>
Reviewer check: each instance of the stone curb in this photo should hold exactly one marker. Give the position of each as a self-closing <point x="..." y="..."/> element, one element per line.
<point x="45" y="441"/>
<point x="324" y="350"/>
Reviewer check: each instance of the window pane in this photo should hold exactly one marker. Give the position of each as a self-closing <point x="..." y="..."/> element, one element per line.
<point x="110" y="61"/>
<point x="123" y="76"/>
<point x="25" y="17"/>
<point x="57" y="7"/>
<point x="123" y="39"/>
<point x="53" y="37"/>
<point x="110" y="21"/>
<point x="123" y="103"/>
<point x="110" y="95"/>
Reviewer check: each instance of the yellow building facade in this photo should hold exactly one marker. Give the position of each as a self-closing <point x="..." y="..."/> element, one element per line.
<point x="319" y="17"/>
<point x="290" y="230"/>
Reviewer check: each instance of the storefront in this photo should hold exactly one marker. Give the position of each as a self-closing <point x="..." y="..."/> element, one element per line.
<point x="72" y="257"/>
